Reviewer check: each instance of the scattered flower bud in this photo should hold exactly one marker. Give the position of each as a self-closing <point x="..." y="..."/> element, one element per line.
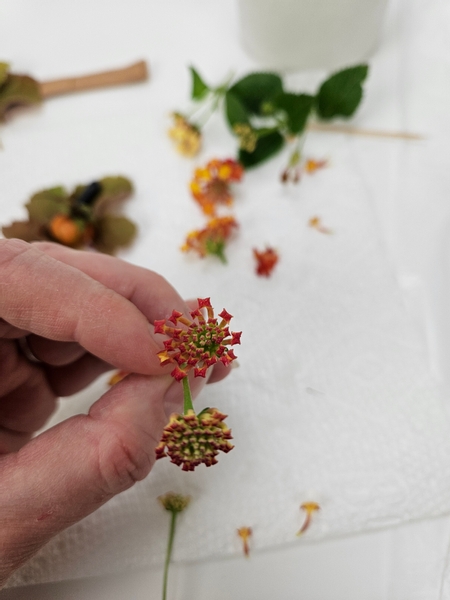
<point x="316" y="223"/>
<point x="309" y="508"/>
<point x="312" y="165"/>
<point x="245" y="534"/>
<point x="68" y="231"/>
<point x="118" y="376"/>
<point x="265" y="261"/>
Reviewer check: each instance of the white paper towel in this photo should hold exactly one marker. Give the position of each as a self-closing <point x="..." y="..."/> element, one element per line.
<point x="333" y="400"/>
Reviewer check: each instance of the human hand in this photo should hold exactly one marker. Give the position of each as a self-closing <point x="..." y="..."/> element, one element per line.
<point x="83" y="314"/>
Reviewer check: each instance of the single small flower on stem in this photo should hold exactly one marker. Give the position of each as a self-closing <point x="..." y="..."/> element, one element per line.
<point x="210" y="185"/>
<point x="312" y="165"/>
<point x="265" y="261"/>
<point x="310" y="508"/>
<point x="316" y="223"/>
<point x="174" y="503"/>
<point x="186" y="136"/>
<point x="195" y="343"/>
<point x="212" y="239"/>
<point x="245" y="533"/>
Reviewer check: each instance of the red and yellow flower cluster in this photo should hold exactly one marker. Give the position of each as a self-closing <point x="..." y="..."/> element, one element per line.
<point x="210" y="185"/>
<point x="199" y="343"/>
<point x="211" y="189"/>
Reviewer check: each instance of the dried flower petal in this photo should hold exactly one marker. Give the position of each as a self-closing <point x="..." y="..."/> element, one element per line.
<point x="245" y="534"/>
<point x="199" y="343"/>
<point x="316" y="223"/>
<point x="186" y="136"/>
<point x="118" y="376"/>
<point x="212" y="238"/>
<point x="190" y="440"/>
<point x="312" y="165"/>
<point x="265" y="261"/>
<point x="174" y="502"/>
<point x="310" y="508"/>
<point x="210" y="185"/>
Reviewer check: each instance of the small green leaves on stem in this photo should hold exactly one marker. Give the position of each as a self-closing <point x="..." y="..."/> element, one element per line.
<point x="199" y="87"/>
<point x="340" y="95"/>
<point x="256" y="88"/>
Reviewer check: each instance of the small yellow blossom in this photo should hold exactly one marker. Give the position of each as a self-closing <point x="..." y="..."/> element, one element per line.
<point x="247" y="136"/>
<point x="186" y="136"/>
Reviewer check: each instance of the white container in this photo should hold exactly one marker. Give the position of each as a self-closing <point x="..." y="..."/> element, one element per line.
<point x="290" y="35"/>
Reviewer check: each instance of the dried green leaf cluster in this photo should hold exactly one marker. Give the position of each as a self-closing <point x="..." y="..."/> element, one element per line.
<point x="72" y="220"/>
<point x="16" y="90"/>
<point x="263" y="115"/>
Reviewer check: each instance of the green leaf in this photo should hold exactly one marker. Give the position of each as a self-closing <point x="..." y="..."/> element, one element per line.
<point x="340" y="95"/>
<point x="266" y="147"/>
<point x="46" y="204"/>
<point x="235" y="111"/>
<point x="199" y="87"/>
<point x="18" y="90"/>
<point x="297" y="108"/>
<point x="4" y="69"/>
<point x="112" y="232"/>
<point x="256" y="89"/>
<point x="24" y="230"/>
<point x="114" y="190"/>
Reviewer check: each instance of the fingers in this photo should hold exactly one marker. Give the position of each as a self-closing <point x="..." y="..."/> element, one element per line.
<point x="63" y="303"/>
<point x="70" y="470"/>
<point x="149" y="292"/>
<point x="27" y="399"/>
<point x="54" y="353"/>
<point x="72" y="378"/>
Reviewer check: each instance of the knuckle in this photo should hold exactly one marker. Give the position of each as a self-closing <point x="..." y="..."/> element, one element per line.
<point x="11" y="249"/>
<point x="122" y="459"/>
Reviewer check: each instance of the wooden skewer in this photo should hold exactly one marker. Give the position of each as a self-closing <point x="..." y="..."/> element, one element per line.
<point x="400" y="135"/>
<point x="136" y="72"/>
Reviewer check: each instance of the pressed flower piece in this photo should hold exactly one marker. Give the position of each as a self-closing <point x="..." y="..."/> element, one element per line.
<point x="185" y="135"/>
<point x="173" y="503"/>
<point x="293" y="171"/>
<point x="312" y="165"/>
<point x="245" y="533"/>
<point x="265" y="261"/>
<point x="316" y="223"/>
<point x="212" y="239"/>
<point x="117" y="376"/>
<point x="197" y="343"/>
<point x="310" y="508"/>
<point x="190" y="440"/>
<point x="210" y="185"/>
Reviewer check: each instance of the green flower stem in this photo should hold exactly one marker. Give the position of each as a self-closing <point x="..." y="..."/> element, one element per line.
<point x="187" y="396"/>
<point x="173" y="521"/>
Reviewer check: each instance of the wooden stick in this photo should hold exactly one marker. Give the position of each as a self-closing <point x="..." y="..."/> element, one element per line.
<point x="400" y="135"/>
<point x="136" y="72"/>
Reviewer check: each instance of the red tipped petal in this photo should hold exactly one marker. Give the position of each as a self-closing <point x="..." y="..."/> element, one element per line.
<point x="236" y="337"/>
<point x="175" y="316"/>
<point x="204" y="302"/>
<point x="225" y="316"/>
<point x="200" y="372"/>
<point x="178" y="374"/>
<point x="159" y="326"/>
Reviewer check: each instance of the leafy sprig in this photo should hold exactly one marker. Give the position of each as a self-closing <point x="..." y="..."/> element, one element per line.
<point x="264" y="116"/>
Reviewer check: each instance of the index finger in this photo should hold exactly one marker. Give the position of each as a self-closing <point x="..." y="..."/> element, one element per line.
<point x="56" y="300"/>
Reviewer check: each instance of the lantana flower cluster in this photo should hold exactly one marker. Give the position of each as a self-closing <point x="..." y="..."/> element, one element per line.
<point x="195" y="343"/>
<point x="211" y="188"/>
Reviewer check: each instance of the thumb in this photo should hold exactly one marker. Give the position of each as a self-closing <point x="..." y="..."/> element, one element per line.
<point x="70" y="470"/>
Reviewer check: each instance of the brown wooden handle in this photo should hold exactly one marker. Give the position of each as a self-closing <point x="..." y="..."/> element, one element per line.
<point x="136" y="72"/>
<point x="332" y="128"/>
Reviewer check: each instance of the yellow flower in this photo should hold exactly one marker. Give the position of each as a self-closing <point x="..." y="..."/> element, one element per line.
<point x="186" y="136"/>
<point x="247" y="137"/>
<point x="211" y="183"/>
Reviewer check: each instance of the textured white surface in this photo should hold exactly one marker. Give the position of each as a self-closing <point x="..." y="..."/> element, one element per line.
<point x="334" y="399"/>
